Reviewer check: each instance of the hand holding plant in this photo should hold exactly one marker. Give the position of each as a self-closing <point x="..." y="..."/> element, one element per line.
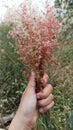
<point x="31" y="104"/>
<point x="36" y="34"/>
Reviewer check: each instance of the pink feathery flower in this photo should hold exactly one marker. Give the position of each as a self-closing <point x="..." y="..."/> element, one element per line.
<point x="37" y="37"/>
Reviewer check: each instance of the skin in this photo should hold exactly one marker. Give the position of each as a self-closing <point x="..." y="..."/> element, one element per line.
<point x="32" y="104"/>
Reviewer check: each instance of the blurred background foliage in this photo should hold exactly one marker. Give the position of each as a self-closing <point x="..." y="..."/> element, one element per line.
<point x="13" y="80"/>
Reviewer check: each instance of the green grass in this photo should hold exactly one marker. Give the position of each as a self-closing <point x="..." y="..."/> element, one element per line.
<point x="13" y="82"/>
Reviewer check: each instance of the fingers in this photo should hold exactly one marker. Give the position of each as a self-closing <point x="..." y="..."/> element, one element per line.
<point x="44" y="80"/>
<point x="32" y="80"/>
<point x="45" y="92"/>
<point x="46" y="108"/>
<point x="45" y="102"/>
<point x="45" y="99"/>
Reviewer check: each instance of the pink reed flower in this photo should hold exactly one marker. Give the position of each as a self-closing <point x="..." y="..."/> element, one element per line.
<point x="37" y="37"/>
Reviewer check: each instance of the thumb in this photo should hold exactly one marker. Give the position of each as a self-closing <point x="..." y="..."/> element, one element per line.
<point x="32" y="82"/>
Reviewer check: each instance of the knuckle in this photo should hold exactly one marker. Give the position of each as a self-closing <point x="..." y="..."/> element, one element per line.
<point x="47" y="76"/>
<point x="53" y="102"/>
<point x="52" y="97"/>
<point x="49" y="106"/>
<point x="50" y="86"/>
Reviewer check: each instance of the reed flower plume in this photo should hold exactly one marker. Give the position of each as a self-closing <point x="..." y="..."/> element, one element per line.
<point x="36" y="34"/>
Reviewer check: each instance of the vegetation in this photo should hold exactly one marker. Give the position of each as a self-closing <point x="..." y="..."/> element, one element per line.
<point x="13" y="80"/>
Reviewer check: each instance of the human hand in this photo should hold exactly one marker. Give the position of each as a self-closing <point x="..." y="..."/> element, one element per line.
<point x="30" y="102"/>
<point x="45" y="97"/>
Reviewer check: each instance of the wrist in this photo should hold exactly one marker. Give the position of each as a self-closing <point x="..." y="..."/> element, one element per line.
<point x="19" y="123"/>
<point x="25" y="120"/>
